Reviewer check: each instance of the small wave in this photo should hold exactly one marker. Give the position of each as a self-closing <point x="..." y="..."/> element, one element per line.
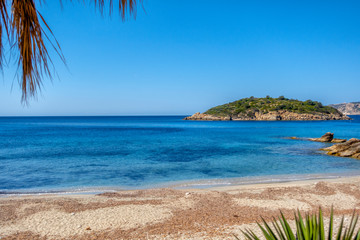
<point x="82" y="191"/>
<point x="209" y="183"/>
<point x="196" y="184"/>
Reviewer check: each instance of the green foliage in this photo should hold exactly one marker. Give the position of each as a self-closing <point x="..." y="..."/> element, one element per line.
<point x="309" y="228"/>
<point x="248" y="106"/>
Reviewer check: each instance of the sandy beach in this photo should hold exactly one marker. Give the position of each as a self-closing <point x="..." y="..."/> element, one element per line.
<point x="215" y="213"/>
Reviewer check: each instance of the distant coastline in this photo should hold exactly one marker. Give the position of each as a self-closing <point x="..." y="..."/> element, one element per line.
<point x="352" y="108"/>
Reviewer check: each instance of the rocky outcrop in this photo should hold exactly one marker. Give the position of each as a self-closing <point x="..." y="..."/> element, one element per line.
<point x="206" y="117"/>
<point x="344" y="148"/>
<point x="338" y="140"/>
<point x="350" y="148"/>
<point x="352" y="108"/>
<point x="269" y="116"/>
<point x="327" y="137"/>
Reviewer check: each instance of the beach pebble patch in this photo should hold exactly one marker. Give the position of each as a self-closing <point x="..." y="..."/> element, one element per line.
<point x="56" y="223"/>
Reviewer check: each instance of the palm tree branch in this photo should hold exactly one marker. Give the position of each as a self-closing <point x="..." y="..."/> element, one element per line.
<point x="27" y="36"/>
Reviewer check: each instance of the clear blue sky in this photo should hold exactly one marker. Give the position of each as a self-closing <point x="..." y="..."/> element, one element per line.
<point x="184" y="56"/>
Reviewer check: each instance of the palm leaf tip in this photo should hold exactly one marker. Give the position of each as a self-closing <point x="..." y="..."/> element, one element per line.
<point x="125" y="7"/>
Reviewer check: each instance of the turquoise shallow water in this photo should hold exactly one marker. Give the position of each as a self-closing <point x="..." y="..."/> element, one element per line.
<point x="41" y="154"/>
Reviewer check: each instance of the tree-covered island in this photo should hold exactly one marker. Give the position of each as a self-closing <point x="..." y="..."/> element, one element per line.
<point x="269" y="108"/>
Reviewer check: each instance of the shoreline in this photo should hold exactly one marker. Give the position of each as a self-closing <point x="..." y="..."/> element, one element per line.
<point x="166" y="213"/>
<point x="219" y="187"/>
<point x="185" y="184"/>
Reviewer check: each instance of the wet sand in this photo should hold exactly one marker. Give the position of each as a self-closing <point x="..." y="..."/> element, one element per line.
<point x="214" y="213"/>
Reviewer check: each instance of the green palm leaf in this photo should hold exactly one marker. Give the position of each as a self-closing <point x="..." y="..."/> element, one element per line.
<point x="309" y="228"/>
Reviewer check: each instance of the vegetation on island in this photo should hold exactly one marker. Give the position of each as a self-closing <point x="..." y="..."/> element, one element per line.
<point x="250" y="105"/>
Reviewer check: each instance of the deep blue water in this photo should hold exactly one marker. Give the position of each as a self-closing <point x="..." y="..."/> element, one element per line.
<point x="57" y="153"/>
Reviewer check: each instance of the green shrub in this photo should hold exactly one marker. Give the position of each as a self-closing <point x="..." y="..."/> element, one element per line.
<point x="309" y="228"/>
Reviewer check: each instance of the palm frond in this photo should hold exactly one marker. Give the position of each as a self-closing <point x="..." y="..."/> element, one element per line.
<point x="4" y="24"/>
<point x="29" y="34"/>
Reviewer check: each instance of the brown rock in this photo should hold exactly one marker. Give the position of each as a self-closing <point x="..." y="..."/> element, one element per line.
<point x="351" y="151"/>
<point x="327" y="137"/>
<point x="344" y="148"/>
<point x="294" y="138"/>
<point x="350" y="148"/>
<point x="341" y="146"/>
<point x="338" y="140"/>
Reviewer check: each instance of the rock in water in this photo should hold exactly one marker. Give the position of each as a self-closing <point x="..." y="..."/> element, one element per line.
<point x="350" y="148"/>
<point x="341" y="146"/>
<point x="344" y="148"/>
<point x="327" y="137"/>
<point x="338" y="140"/>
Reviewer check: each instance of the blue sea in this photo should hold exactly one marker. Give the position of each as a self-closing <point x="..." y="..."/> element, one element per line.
<point x="74" y="154"/>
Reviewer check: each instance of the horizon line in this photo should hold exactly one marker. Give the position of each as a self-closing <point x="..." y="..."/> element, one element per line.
<point x="139" y="115"/>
